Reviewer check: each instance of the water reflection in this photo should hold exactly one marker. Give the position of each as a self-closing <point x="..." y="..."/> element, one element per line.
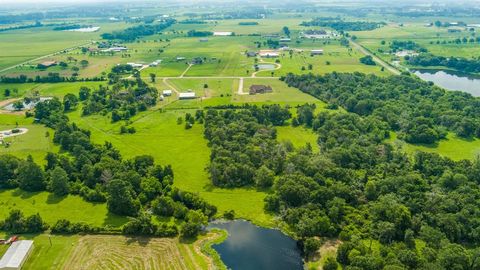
<point x="452" y="80"/>
<point x="252" y="247"/>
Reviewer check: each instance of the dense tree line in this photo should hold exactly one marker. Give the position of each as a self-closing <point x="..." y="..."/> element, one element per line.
<point x="341" y="25"/>
<point x="195" y="33"/>
<point x="457" y="63"/>
<point x="400" y="45"/>
<point x="419" y="111"/>
<point x="132" y="33"/>
<point x="243" y="145"/>
<point x="51" y="77"/>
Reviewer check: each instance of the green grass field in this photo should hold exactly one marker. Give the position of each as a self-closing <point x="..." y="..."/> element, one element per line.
<point x="453" y="147"/>
<point x="52" y="208"/>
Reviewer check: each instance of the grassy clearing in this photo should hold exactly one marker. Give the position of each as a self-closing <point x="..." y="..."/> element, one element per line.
<point x="52" y="208"/>
<point x="453" y="147"/>
<point x="299" y="136"/>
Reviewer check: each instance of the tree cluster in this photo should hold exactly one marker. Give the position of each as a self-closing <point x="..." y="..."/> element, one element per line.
<point x="418" y="111"/>
<point x="457" y="63"/>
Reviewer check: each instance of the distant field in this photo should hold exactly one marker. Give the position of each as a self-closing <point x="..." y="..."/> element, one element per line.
<point x="18" y="46"/>
<point x="423" y="36"/>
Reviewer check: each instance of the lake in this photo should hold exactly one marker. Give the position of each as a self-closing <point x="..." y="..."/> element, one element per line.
<point x="452" y="80"/>
<point x="252" y="247"/>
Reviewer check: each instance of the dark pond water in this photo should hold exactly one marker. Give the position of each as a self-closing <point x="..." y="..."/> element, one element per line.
<point x="251" y="247"/>
<point x="452" y="80"/>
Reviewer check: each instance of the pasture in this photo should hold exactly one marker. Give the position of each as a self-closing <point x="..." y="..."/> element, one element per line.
<point x="52" y="208"/>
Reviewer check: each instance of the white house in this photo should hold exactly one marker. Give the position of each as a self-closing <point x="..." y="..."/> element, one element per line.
<point x="187" y="95"/>
<point x="16" y="255"/>
<point x="167" y="93"/>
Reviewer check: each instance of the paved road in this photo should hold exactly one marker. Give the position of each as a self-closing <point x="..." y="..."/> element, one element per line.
<point x="45" y="56"/>
<point x="214" y="77"/>
<point x="375" y="58"/>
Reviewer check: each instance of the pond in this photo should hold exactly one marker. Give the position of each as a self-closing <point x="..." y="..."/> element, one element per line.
<point x="452" y="80"/>
<point x="265" y="66"/>
<point x="252" y="247"/>
<point x="26" y="105"/>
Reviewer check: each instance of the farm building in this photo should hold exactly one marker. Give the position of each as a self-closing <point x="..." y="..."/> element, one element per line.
<point x="285" y="39"/>
<point x="187" y="95"/>
<point x="203" y="40"/>
<point x="224" y="34"/>
<point x="251" y="54"/>
<point x="318" y="34"/>
<point x="16" y="255"/>
<point x="316" y="52"/>
<point x="197" y="61"/>
<point x="180" y="58"/>
<point x="268" y="54"/>
<point x="167" y="93"/>
<point x="260" y="89"/>
<point x="117" y="49"/>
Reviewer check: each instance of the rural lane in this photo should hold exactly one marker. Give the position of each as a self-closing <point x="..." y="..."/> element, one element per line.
<point x="375" y="58"/>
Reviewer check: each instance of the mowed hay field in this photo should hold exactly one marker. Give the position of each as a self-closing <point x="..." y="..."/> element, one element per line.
<point x="118" y="252"/>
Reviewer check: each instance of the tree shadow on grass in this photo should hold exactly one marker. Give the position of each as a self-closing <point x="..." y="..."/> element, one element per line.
<point x="24" y="194"/>
<point x="113" y="220"/>
<point x="141" y="240"/>
<point x="54" y="199"/>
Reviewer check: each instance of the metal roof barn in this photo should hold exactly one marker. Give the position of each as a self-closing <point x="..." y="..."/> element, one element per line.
<point x="16" y="255"/>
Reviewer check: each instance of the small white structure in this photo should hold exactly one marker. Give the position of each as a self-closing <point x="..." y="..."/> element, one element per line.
<point x="167" y="93"/>
<point x="187" y="95"/>
<point x="224" y="34"/>
<point x="316" y="52"/>
<point x="135" y="65"/>
<point x="285" y="39"/>
<point x="85" y="29"/>
<point x="155" y="63"/>
<point x="16" y="255"/>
